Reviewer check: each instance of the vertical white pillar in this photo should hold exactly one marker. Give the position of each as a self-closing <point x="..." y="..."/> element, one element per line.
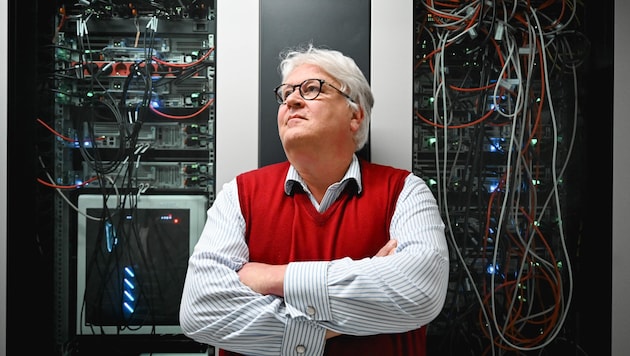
<point x="237" y="98"/>
<point x="392" y="82"/>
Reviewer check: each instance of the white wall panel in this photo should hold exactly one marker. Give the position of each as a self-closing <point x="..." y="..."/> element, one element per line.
<point x="237" y="97"/>
<point x="392" y="82"/>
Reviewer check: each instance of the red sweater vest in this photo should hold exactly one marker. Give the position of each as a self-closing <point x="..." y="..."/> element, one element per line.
<point x="284" y="228"/>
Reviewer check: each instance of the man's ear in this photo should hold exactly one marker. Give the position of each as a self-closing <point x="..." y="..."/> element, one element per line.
<point x="357" y="118"/>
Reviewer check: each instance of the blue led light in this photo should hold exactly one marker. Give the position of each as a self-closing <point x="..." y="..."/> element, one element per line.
<point x="110" y="236"/>
<point x="496" y="144"/>
<point x="129" y="296"/>
<point x="493" y="185"/>
<point x="129" y="284"/>
<point x="129" y="271"/>
<point x="490" y="269"/>
<point x="128" y="307"/>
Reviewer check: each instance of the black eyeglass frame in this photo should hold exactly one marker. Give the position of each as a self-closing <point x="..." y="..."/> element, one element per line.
<point x="299" y="86"/>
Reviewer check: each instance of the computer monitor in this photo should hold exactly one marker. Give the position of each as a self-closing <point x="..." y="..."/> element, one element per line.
<point x="132" y="256"/>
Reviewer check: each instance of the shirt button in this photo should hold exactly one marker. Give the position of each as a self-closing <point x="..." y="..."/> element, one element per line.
<point x="310" y="310"/>
<point x="300" y="349"/>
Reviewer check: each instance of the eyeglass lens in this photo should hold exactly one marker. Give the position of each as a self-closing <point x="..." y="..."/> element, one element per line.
<point x="308" y="89"/>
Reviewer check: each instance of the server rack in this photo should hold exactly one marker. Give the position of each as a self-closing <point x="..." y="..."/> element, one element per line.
<point x="133" y="120"/>
<point x="494" y="135"/>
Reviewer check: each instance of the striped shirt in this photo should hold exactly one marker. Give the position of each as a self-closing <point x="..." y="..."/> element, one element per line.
<point x="218" y="309"/>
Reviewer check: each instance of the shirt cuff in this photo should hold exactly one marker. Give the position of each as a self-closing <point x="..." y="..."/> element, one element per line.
<point x="303" y="337"/>
<point x="306" y="290"/>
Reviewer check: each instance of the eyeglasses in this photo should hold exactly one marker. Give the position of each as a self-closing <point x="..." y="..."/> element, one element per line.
<point x="308" y="89"/>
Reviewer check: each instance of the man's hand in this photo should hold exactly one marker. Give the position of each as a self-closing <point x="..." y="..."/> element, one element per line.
<point x="263" y="278"/>
<point x="388" y="249"/>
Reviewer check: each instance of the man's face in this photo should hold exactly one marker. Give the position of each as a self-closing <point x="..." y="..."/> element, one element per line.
<point x="323" y="124"/>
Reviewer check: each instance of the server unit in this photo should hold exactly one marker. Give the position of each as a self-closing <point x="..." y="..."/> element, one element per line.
<point x="132" y="258"/>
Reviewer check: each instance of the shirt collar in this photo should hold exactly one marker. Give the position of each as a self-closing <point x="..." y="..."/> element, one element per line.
<point x="353" y="172"/>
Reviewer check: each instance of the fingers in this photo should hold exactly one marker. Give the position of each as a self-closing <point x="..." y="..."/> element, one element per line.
<point x="331" y="334"/>
<point x="388" y="249"/>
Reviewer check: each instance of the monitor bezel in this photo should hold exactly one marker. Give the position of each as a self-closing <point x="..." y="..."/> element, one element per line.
<point x="197" y="206"/>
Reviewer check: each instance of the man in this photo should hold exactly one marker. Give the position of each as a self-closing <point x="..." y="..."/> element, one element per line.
<point x="326" y="253"/>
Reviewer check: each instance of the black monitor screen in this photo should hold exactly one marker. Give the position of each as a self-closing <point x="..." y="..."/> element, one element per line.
<point x="135" y="265"/>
